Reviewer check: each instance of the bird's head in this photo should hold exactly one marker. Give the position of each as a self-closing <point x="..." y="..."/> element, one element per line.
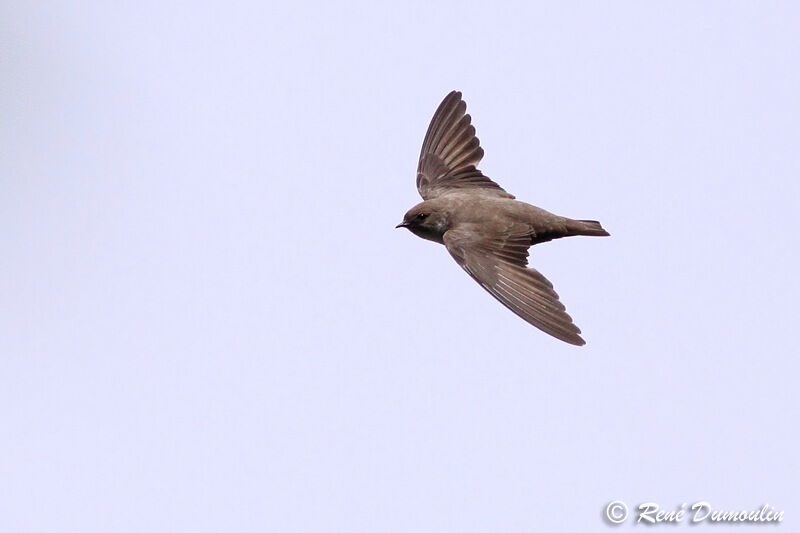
<point x="427" y="220"/>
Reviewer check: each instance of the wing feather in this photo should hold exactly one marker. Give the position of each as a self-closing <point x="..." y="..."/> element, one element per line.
<point x="450" y="153"/>
<point x="499" y="265"/>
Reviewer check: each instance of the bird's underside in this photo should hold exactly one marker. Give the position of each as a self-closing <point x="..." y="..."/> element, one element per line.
<point x="483" y="227"/>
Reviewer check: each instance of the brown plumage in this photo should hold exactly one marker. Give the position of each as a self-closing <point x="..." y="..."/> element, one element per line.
<point x="485" y="229"/>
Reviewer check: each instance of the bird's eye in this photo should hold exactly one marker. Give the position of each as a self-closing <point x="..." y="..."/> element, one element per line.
<point x="421" y="216"/>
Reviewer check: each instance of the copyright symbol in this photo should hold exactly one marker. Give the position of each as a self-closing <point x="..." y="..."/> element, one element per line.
<point x="616" y="512"/>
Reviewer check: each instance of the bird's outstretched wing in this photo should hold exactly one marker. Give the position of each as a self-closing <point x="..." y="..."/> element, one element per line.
<point x="450" y="152"/>
<point x="499" y="264"/>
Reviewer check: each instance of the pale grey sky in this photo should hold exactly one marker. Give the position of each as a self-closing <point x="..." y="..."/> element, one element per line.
<point x="209" y="323"/>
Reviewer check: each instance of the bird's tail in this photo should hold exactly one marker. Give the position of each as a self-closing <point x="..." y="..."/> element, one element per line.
<point x="586" y="227"/>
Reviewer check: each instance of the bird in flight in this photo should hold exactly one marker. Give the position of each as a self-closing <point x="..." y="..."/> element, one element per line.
<point x="485" y="229"/>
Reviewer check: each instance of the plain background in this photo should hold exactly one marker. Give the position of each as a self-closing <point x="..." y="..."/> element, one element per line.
<point x="209" y="323"/>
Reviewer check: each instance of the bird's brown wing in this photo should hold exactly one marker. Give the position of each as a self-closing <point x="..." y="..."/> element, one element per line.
<point x="450" y="152"/>
<point x="499" y="264"/>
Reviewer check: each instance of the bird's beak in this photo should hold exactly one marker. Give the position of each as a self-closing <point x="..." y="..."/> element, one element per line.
<point x="403" y="224"/>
